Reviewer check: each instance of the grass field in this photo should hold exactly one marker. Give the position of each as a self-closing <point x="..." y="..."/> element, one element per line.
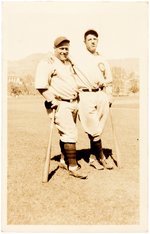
<point x="105" y="198"/>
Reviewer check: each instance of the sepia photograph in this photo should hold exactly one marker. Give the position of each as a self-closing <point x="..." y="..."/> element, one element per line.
<point x="75" y="118"/>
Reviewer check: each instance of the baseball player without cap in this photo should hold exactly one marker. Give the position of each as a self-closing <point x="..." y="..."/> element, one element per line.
<point x="90" y="31"/>
<point x="59" y="40"/>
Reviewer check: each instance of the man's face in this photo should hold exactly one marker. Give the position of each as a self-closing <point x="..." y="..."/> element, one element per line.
<point x="91" y="42"/>
<point x="62" y="52"/>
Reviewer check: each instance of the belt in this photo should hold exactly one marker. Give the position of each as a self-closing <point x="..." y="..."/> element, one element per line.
<point x="68" y="100"/>
<point x="90" y="90"/>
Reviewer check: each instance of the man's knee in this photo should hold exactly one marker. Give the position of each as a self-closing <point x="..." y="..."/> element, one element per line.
<point x="94" y="138"/>
<point x="69" y="137"/>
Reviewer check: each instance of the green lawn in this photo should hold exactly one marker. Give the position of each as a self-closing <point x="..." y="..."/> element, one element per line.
<point x="106" y="197"/>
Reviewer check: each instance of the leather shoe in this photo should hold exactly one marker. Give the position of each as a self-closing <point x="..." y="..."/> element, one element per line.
<point x="63" y="165"/>
<point x="108" y="165"/>
<point x="96" y="165"/>
<point x="78" y="173"/>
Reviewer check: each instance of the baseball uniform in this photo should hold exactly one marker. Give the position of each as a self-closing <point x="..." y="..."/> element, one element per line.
<point x="59" y="79"/>
<point x="94" y="102"/>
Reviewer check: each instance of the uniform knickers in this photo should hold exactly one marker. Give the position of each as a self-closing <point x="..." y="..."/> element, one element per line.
<point x="65" y="120"/>
<point x="93" y="112"/>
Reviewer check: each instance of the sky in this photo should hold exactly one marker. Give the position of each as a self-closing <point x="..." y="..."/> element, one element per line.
<point x="31" y="27"/>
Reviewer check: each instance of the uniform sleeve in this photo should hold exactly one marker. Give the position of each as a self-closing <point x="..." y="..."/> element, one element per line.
<point x="42" y="75"/>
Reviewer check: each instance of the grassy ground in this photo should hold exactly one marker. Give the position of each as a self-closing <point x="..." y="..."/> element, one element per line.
<point x="106" y="197"/>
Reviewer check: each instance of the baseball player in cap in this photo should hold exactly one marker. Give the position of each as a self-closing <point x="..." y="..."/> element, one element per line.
<point x="55" y="80"/>
<point x="94" y="76"/>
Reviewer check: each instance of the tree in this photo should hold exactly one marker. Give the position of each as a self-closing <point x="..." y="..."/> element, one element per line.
<point x="119" y="75"/>
<point x="134" y="87"/>
<point x="14" y="89"/>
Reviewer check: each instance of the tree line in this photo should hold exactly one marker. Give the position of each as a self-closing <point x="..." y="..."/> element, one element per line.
<point x="123" y="83"/>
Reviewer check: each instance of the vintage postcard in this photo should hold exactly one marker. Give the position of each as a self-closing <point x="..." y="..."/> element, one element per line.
<point x="75" y="117"/>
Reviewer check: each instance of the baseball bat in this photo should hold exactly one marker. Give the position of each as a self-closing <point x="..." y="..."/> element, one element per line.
<point x="48" y="152"/>
<point x="115" y="141"/>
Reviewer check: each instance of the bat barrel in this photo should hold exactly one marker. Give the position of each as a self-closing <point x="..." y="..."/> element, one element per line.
<point x="115" y="141"/>
<point x="48" y="153"/>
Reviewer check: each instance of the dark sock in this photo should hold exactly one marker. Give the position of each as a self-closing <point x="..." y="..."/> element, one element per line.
<point x="61" y="146"/>
<point x="70" y="153"/>
<point x="96" y="149"/>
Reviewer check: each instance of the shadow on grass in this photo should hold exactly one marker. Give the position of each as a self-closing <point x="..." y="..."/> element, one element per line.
<point x="51" y="174"/>
<point x="85" y="154"/>
<point x="108" y="153"/>
<point x="56" y="158"/>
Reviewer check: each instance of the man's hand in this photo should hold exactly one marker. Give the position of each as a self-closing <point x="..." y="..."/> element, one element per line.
<point x="51" y="105"/>
<point x="55" y="104"/>
<point x="110" y="104"/>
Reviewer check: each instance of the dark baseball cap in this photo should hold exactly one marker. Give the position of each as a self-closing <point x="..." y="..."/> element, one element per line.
<point x="90" y="31"/>
<point x="59" y="40"/>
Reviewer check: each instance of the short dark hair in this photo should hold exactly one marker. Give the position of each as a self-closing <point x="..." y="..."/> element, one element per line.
<point x="90" y="31"/>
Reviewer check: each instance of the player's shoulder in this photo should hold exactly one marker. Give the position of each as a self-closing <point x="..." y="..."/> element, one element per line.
<point x="47" y="60"/>
<point x="42" y="64"/>
<point x="100" y="55"/>
<point x="102" y="58"/>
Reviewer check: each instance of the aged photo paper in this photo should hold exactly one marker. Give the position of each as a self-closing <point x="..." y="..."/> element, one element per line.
<point x="109" y="200"/>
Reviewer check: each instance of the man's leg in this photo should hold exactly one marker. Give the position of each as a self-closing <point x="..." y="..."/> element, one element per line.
<point x="70" y="154"/>
<point x="96" y="147"/>
<point x="65" y="123"/>
<point x="68" y="160"/>
<point x="93" y="161"/>
<point x="96" y="143"/>
<point x="62" y="164"/>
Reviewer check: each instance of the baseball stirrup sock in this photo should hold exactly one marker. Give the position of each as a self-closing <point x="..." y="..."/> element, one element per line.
<point x="70" y="153"/>
<point x="96" y="149"/>
<point x="61" y="146"/>
<point x="62" y="150"/>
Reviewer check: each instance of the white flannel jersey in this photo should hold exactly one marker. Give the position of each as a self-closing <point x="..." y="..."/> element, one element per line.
<point x="89" y="70"/>
<point x="57" y="77"/>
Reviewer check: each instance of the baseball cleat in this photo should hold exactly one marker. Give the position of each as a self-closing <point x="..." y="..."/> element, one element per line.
<point x="96" y="165"/>
<point x="108" y="165"/>
<point x="78" y="173"/>
<point x="63" y="165"/>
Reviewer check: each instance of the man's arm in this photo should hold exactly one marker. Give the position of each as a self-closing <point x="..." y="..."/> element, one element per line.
<point x="46" y="94"/>
<point x="106" y="71"/>
<point x="50" y="102"/>
<point x="42" y="82"/>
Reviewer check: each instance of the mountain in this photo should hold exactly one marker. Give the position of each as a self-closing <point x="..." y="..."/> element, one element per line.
<point x="27" y="66"/>
<point x="24" y="66"/>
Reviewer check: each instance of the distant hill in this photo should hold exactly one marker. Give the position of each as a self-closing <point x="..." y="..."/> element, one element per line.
<point x="28" y="65"/>
<point x="24" y="66"/>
